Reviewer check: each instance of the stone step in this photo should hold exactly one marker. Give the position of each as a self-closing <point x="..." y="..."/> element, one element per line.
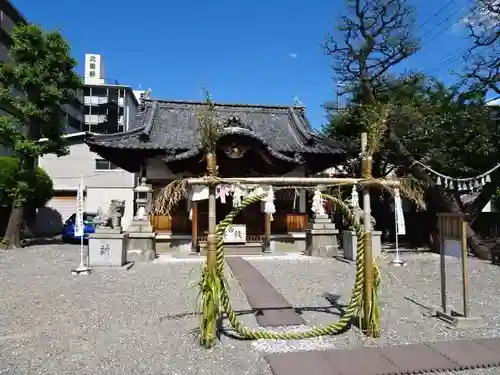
<point x="234" y="249"/>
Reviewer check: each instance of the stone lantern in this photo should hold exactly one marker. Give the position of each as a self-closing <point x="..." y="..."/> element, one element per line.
<point x="141" y="200"/>
<point x="141" y="244"/>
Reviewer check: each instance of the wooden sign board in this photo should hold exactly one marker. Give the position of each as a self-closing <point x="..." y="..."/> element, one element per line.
<point x="235" y="233"/>
<point x="451" y="233"/>
<point x="452" y="229"/>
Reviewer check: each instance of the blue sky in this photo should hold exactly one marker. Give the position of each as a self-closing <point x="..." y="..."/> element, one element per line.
<point x="260" y="51"/>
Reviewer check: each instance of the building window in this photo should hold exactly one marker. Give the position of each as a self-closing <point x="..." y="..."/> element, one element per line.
<point x="99" y="91"/>
<point x="104" y="165"/>
<point x="121" y="93"/>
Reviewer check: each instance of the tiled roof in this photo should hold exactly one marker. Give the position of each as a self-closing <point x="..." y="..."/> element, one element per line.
<point x="173" y="126"/>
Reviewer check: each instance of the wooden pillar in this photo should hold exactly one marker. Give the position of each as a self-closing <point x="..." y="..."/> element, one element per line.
<point x="302" y="201"/>
<point x="194" y="226"/>
<point x="212" y="217"/>
<point x="366" y="172"/>
<point x="267" y="233"/>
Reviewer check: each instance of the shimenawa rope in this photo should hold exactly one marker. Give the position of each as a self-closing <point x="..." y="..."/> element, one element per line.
<point x="331" y="329"/>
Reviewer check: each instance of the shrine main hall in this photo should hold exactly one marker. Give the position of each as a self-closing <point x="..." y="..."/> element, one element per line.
<point x="254" y="141"/>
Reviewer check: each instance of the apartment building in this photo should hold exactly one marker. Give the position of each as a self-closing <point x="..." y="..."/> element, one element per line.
<point x="10" y="16"/>
<point x="109" y="107"/>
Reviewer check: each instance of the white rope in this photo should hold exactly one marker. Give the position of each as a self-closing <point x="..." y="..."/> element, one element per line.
<point x="443" y="176"/>
<point x="461" y="184"/>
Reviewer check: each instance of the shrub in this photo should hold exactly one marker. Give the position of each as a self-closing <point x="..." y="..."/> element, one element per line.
<point x="40" y="190"/>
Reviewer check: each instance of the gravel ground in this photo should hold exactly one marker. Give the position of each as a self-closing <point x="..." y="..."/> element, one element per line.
<point x="111" y="322"/>
<point x="141" y="321"/>
<point x="313" y="284"/>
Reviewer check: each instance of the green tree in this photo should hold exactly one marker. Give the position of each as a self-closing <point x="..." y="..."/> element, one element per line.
<point x="371" y="39"/>
<point x="40" y="189"/>
<point x="446" y="130"/>
<point x="34" y="86"/>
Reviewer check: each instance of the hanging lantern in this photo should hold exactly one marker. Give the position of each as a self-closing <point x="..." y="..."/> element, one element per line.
<point x="438" y="181"/>
<point x="483" y="182"/>
<point x="487" y="179"/>
<point x="450" y="184"/>
<point x="477" y="185"/>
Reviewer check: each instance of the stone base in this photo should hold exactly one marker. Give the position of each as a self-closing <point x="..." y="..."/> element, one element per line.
<point x="108" y="230"/>
<point x="181" y="245"/>
<point x="125" y="267"/>
<point x="140" y="226"/>
<point x="168" y="243"/>
<point x="454" y="319"/>
<point x="350" y="241"/>
<point x="107" y="249"/>
<point x="321" y="238"/>
<point x="233" y="249"/>
<point x="141" y="247"/>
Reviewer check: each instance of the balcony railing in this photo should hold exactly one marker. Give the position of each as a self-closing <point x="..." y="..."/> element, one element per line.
<point x="95" y="100"/>
<point x="95" y="119"/>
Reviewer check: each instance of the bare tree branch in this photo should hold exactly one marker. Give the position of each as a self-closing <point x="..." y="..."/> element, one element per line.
<point x="483" y="23"/>
<point x="374" y="36"/>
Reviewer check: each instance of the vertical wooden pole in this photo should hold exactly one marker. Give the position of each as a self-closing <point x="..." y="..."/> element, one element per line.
<point x="366" y="172"/>
<point x="212" y="218"/>
<point x="442" y="224"/>
<point x="194" y="226"/>
<point x="267" y="233"/>
<point x="465" y="282"/>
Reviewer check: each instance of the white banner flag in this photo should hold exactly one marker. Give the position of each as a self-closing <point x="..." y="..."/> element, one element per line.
<point x="79" y="210"/>
<point x="398" y="212"/>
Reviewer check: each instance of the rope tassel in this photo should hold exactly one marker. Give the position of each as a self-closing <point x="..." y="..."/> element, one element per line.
<point x="269" y="207"/>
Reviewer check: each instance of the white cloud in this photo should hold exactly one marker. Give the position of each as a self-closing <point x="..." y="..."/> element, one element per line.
<point x="293" y="55"/>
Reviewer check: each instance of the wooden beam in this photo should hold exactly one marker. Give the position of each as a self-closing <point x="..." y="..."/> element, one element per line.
<point x="293" y="181"/>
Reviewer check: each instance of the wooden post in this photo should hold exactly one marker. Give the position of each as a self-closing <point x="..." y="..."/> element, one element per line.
<point x="465" y="282"/>
<point x="366" y="172"/>
<point x="442" y="223"/>
<point x="453" y="227"/>
<point x="267" y="231"/>
<point x="194" y="226"/>
<point x="212" y="218"/>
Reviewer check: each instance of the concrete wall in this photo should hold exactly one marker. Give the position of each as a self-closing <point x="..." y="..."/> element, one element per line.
<point x="65" y="171"/>
<point x="101" y="197"/>
<point x="102" y="185"/>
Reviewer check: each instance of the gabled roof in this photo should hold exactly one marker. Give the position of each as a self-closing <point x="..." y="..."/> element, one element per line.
<point x="172" y="126"/>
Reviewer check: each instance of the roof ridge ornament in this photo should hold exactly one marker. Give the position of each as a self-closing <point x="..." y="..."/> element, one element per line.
<point x="234" y="121"/>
